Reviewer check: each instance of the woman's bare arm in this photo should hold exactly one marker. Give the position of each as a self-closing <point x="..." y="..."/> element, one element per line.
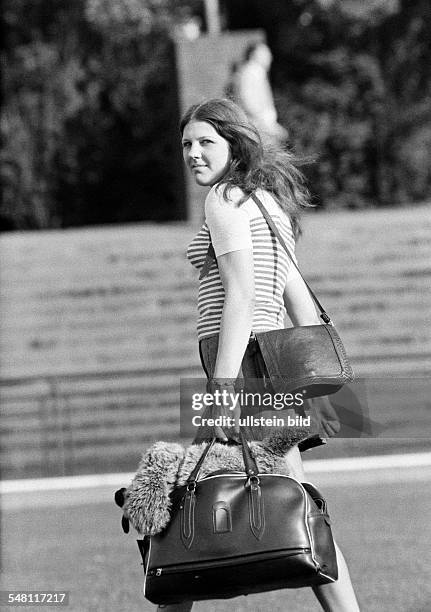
<point x="237" y="275"/>
<point x="299" y="303"/>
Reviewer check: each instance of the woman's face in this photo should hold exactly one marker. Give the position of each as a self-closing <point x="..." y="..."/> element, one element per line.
<point x="205" y="152"/>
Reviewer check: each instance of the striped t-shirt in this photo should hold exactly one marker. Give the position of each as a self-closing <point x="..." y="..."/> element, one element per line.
<point x="233" y="227"/>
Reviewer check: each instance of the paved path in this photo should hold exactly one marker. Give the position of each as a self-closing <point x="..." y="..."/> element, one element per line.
<point x="378" y="521"/>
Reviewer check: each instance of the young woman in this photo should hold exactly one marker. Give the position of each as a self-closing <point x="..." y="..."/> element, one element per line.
<point x="252" y="283"/>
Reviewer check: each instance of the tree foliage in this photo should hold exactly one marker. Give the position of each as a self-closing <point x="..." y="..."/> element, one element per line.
<point x="352" y="83"/>
<point x="88" y="122"/>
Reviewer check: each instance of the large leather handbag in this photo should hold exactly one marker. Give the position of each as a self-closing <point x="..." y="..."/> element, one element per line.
<point x="234" y="533"/>
<point x="308" y="359"/>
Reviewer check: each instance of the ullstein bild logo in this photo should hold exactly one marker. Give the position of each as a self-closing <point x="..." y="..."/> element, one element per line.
<point x="252" y="421"/>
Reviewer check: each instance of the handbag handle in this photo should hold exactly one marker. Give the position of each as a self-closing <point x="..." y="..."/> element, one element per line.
<point x="195" y="472"/>
<point x="256" y="508"/>
<point x="211" y="256"/>
<point x="251" y="468"/>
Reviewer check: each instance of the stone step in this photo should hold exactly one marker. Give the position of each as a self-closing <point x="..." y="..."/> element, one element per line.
<point x="162" y="304"/>
<point x="355" y="316"/>
<point x="96" y="410"/>
<point x="100" y="282"/>
<point x="116" y="299"/>
<point x="81" y="362"/>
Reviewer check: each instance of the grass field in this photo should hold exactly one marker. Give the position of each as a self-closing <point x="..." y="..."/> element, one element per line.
<point x="381" y="527"/>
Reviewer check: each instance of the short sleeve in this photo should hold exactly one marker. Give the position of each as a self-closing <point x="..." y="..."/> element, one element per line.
<point x="292" y="270"/>
<point x="227" y="222"/>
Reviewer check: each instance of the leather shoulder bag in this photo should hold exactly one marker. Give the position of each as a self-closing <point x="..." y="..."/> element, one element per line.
<point x="234" y="533"/>
<point x="307" y="359"/>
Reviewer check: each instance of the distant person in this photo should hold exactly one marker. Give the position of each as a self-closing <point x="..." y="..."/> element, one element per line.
<point x="250" y="88"/>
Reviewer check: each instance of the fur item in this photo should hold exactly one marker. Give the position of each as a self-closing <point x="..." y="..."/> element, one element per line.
<point x="147" y="501"/>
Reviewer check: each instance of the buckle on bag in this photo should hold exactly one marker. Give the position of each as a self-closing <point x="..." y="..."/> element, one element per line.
<point x="253" y="481"/>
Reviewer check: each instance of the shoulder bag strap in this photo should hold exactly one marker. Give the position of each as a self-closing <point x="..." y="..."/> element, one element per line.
<point x="277" y="234"/>
<point x="211" y="257"/>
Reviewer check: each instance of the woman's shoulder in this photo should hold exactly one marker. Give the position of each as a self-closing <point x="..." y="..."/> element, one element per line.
<point x="220" y="198"/>
<point x="232" y="203"/>
<point x="268" y="199"/>
<point x="271" y="204"/>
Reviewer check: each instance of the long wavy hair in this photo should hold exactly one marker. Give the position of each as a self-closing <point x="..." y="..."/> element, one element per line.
<point x="254" y="165"/>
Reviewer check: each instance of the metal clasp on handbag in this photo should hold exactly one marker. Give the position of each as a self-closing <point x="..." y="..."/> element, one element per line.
<point x="326" y="318"/>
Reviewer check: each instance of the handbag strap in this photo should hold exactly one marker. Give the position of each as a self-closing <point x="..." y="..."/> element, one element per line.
<point x="256" y="508"/>
<point x="249" y="461"/>
<point x="326" y="318"/>
<point x="211" y="256"/>
<point x="195" y="472"/>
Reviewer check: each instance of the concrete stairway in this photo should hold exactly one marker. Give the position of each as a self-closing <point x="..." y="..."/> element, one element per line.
<point x="98" y="325"/>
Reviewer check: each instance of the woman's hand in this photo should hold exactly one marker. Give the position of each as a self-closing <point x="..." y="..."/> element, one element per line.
<point x="225" y="405"/>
